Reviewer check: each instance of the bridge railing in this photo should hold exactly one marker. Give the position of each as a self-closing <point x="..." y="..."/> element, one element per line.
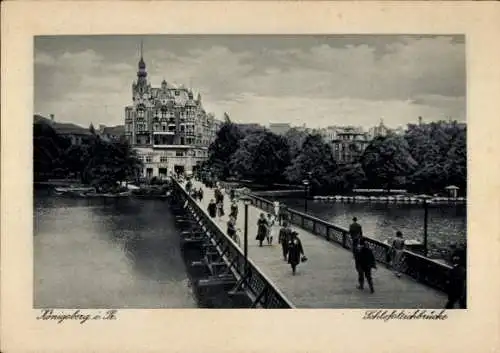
<point x="423" y="269"/>
<point x="251" y="279"/>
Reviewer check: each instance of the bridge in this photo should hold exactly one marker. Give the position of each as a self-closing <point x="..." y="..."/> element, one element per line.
<point x="329" y="279"/>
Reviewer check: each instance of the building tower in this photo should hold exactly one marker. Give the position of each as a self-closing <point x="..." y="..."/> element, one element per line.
<point x="142" y="75"/>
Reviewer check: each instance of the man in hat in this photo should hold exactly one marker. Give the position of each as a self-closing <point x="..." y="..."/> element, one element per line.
<point x="356" y="233"/>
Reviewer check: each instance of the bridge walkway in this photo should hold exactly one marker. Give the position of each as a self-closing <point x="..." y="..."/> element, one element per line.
<point x="328" y="279"/>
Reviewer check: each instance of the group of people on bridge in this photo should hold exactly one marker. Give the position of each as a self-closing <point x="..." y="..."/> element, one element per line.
<point x="277" y="223"/>
<point x="364" y="261"/>
<point x="267" y="227"/>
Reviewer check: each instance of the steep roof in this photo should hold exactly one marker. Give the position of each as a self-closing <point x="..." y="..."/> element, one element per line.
<point x="62" y="128"/>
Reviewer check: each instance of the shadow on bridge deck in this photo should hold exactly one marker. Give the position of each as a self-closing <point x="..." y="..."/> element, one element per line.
<point x="328" y="279"/>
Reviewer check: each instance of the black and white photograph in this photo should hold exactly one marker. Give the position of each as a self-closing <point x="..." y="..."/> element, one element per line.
<point x="250" y="171"/>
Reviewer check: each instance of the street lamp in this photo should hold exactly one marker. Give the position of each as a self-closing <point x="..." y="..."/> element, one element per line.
<point x="306" y="184"/>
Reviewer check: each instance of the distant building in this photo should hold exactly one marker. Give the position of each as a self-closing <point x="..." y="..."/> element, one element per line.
<point x="349" y="144"/>
<point x="380" y="130"/>
<point x="329" y="133"/>
<point x="279" y="128"/>
<point x="167" y="126"/>
<point x="76" y="134"/>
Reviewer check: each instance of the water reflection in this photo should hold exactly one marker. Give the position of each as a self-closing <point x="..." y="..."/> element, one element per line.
<point x="107" y="253"/>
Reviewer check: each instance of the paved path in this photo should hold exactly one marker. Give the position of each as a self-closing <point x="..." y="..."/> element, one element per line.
<point x="328" y="279"/>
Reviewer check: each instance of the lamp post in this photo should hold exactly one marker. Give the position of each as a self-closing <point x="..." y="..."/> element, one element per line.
<point x="246" y="202"/>
<point x="426" y="216"/>
<point x="306" y="184"/>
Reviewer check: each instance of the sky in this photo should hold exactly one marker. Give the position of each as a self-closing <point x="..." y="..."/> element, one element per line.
<point x="317" y="80"/>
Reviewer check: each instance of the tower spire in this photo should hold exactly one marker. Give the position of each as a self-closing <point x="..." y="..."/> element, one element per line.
<point x="141" y="49"/>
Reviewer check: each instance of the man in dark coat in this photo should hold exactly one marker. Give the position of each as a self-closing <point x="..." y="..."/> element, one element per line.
<point x="457" y="284"/>
<point x="295" y="250"/>
<point x="283" y="238"/>
<point x="364" y="261"/>
<point x="234" y="210"/>
<point x="356" y="233"/>
<point x="261" y="229"/>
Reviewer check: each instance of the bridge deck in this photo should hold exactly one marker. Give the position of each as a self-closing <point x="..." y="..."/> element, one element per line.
<point x="328" y="279"/>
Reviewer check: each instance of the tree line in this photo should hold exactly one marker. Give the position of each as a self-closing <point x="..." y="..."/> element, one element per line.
<point x="426" y="158"/>
<point x="96" y="162"/>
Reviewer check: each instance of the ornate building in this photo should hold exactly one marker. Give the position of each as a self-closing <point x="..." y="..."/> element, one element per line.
<point x="348" y="144"/>
<point x="167" y="126"/>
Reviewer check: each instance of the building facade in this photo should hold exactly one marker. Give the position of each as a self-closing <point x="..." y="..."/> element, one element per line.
<point x="349" y="144"/>
<point x="167" y="126"/>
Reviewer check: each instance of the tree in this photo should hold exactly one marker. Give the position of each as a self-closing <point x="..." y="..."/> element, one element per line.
<point x="316" y="158"/>
<point x="225" y="144"/>
<point x="456" y="161"/>
<point x="262" y="156"/>
<point x="48" y="148"/>
<point x="387" y="159"/>
<point x="349" y="176"/>
<point x="441" y="153"/>
<point x="111" y="162"/>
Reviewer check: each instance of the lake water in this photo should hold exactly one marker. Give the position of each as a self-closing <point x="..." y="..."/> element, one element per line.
<point x="114" y="253"/>
<point x="446" y="223"/>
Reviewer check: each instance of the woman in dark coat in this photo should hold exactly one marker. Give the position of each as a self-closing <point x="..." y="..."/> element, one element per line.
<point x="295" y="250"/>
<point x="261" y="229"/>
<point x="212" y="209"/>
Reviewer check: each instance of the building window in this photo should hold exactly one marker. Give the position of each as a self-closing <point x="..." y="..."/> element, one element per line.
<point x="163" y="159"/>
<point x="149" y="159"/>
<point x="179" y="154"/>
<point x="177" y="93"/>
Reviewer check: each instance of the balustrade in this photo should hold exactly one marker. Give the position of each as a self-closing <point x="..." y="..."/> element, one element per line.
<point x="251" y="279"/>
<point x="421" y="268"/>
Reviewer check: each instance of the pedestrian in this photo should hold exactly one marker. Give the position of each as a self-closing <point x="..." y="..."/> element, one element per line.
<point x="231" y="228"/>
<point x="295" y="250"/>
<point x="212" y="209"/>
<point x="365" y="261"/>
<point x="356" y="233"/>
<point x="457" y="283"/>
<point x="189" y="185"/>
<point x="261" y="229"/>
<point x="397" y="248"/>
<point x="283" y="215"/>
<point x="220" y="209"/>
<point x="276" y="205"/>
<point x="232" y="194"/>
<point x="200" y="194"/>
<point x="283" y="238"/>
<point x="270" y="228"/>
<point x="234" y="210"/>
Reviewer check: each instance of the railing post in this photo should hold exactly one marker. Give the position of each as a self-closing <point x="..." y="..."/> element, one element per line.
<point x="344" y="239"/>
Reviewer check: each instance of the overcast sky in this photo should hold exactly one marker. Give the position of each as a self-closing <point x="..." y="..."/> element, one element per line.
<point x="316" y="80"/>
